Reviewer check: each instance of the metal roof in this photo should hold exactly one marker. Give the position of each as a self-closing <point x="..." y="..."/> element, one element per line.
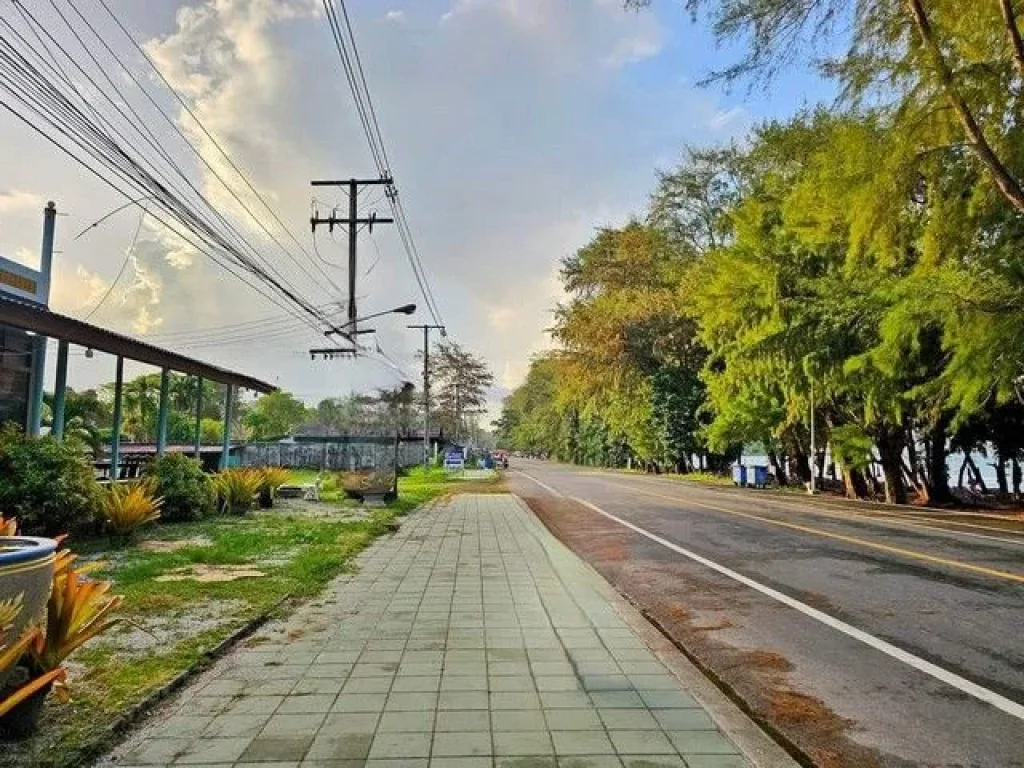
<point x="29" y="316"/>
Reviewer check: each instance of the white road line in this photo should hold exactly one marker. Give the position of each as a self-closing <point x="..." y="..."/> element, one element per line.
<point x="545" y="486"/>
<point x="1008" y="706"/>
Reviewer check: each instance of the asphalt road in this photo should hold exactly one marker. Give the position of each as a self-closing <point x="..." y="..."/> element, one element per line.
<point x="863" y="635"/>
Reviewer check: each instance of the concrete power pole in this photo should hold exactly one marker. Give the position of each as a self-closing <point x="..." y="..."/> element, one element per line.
<point x="426" y="386"/>
<point x="352" y="222"/>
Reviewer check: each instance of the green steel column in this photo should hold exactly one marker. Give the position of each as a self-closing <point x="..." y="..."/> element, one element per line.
<point x="59" y="389"/>
<point x="161" y="419"/>
<point x="38" y="368"/>
<point x="36" y="375"/>
<point x="115" y="437"/>
<point x="199" y="416"/>
<point x="226" y="448"/>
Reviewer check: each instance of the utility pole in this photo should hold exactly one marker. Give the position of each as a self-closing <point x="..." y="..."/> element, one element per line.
<point x="426" y="385"/>
<point x="352" y="222"/>
<point x="814" y="459"/>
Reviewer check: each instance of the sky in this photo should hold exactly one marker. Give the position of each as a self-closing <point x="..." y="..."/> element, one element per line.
<point x="515" y="129"/>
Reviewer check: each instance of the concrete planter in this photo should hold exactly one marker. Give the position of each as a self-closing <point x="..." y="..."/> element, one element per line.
<point x="26" y="570"/>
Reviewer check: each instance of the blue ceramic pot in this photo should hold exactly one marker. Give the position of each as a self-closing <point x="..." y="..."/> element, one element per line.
<point x="26" y="571"/>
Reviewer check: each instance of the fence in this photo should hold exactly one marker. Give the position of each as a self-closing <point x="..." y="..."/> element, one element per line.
<point x="341" y="454"/>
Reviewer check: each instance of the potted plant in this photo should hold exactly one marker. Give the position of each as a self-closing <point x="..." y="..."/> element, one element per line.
<point x="26" y="577"/>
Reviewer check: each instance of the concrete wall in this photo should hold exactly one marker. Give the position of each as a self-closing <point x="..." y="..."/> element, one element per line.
<point x="331" y="455"/>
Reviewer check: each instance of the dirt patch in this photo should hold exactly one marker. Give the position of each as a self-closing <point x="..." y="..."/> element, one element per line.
<point x="207" y="574"/>
<point x="161" y="631"/>
<point x="158" y="545"/>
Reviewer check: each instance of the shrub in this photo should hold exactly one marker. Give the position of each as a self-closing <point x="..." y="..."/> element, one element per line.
<point x="127" y="506"/>
<point x="47" y="484"/>
<point x="271" y="478"/>
<point x="187" y="491"/>
<point x="237" y="489"/>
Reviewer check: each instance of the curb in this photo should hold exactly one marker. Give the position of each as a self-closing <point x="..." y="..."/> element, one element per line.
<point x="117" y="730"/>
<point x="758" y="740"/>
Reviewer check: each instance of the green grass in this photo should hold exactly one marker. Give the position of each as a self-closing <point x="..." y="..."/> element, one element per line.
<point x="298" y="554"/>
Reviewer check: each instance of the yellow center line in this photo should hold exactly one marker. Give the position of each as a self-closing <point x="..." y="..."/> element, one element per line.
<point x="911" y="553"/>
<point x="908" y="518"/>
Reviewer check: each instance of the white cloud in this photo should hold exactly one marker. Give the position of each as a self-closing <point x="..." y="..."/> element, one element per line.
<point x="16" y="200"/>
<point x="723" y="118"/>
<point x="511" y="134"/>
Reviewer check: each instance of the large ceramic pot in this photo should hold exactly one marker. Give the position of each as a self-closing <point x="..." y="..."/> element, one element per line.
<point x="26" y="572"/>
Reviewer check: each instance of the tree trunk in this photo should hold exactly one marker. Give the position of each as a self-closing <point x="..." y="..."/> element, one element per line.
<point x="1007" y="183"/>
<point x="780" y="471"/>
<point x="854" y="484"/>
<point x="976" y="473"/>
<point x="890" y="450"/>
<point x="963" y="469"/>
<point x="938" y="470"/>
<point x="1000" y="466"/>
<point x="1016" y="477"/>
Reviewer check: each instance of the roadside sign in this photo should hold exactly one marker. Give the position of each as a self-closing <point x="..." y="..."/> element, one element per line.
<point x="455" y="458"/>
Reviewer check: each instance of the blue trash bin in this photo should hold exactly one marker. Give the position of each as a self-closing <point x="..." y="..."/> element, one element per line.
<point x="739" y="475"/>
<point x="760" y="477"/>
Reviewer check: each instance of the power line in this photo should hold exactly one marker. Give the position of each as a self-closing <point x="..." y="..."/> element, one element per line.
<point x="348" y="52"/>
<point x="64" y="123"/>
<point x="124" y="264"/>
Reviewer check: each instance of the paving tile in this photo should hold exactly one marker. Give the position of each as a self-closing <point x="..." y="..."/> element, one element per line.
<point x="340" y="746"/>
<point x="419" y="721"/>
<point x="565" y="699"/>
<point x="515" y="700"/>
<point x="558" y="683"/>
<point x="463" y="720"/>
<point x="233" y="726"/>
<point x="292" y="725"/>
<point x="462" y="743"/>
<point x="464" y="683"/>
<point x="462" y="700"/>
<point x="367" y="685"/>
<point x="161" y="751"/>
<point x="618" y="699"/>
<point x="394" y="745"/>
<point x="304" y="705"/>
<point x="573" y="719"/>
<point x="510" y="683"/>
<point x="411" y="701"/>
<point x="683" y="719"/>
<point x="524" y="743"/>
<point x="413" y="683"/>
<point x="668" y="700"/>
<point x="218" y="751"/>
<point x="308" y="685"/>
<point x="581" y="743"/>
<point x="637" y="742"/>
<point x="590" y="761"/>
<point x="629" y="719"/>
<point x="701" y="743"/>
<point x="653" y="761"/>
<point x="716" y="761"/>
<point x="461" y="642"/>
<point x="359" y="702"/>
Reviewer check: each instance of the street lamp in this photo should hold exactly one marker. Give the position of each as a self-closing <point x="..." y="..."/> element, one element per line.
<point x="405" y="309"/>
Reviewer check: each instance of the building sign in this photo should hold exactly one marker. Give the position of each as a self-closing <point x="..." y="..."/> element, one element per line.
<point x="21" y="281"/>
<point x="455" y="457"/>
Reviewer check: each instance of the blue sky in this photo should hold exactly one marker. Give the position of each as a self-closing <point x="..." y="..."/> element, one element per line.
<point x="516" y="127"/>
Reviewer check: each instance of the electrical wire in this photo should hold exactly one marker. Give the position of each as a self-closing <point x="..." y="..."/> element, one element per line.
<point x="127" y="257"/>
<point x="64" y="123"/>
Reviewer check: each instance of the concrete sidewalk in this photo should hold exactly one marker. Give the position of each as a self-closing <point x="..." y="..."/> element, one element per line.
<point x="472" y="638"/>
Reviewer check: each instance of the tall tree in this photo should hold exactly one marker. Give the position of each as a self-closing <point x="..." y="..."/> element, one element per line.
<point x="460" y="382"/>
